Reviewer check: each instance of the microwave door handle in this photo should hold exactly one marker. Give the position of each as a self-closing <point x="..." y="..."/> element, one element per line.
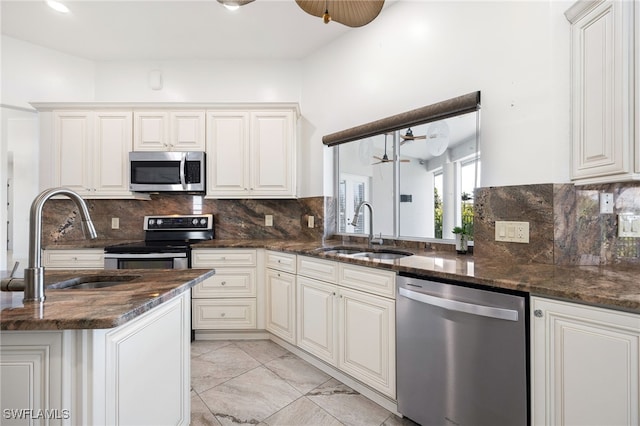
<point x="183" y="171"/>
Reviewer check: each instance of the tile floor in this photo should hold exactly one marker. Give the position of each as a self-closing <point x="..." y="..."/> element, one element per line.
<point x="258" y="382"/>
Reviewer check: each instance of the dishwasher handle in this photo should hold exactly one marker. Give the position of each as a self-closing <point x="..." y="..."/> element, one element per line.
<point x="454" y="305"/>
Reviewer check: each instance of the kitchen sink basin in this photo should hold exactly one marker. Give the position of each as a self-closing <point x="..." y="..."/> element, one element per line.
<point x="92" y="282"/>
<point x="341" y="250"/>
<point x="360" y="253"/>
<point x="382" y="255"/>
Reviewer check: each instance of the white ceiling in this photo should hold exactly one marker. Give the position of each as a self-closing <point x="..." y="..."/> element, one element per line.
<point x="170" y="30"/>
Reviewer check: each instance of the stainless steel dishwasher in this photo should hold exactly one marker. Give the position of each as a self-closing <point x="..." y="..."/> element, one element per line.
<point x="461" y="355"/>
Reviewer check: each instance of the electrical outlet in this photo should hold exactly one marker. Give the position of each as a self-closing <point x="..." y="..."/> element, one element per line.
<point x="606" y="203"/>
<point x="512" y="232"/>
<point x="310" y="221"/>
<point x="115" y="223"/>
<point x="268" y="220"/>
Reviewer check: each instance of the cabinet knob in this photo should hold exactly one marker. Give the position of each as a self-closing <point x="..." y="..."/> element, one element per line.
<point x="538" y="313"/>
<point x="223" y="283"/>
<point x="222" y="314"/>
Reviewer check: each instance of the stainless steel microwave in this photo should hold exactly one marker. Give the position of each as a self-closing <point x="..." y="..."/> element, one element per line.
<point x="159" y="171"/>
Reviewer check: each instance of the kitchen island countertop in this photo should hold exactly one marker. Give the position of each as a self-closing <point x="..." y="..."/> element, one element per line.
<point x="96" y="308"/>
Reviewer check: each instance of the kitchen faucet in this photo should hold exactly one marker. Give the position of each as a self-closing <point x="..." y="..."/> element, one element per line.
<point x="354" y="222"/>
<point x="34" y="274"/>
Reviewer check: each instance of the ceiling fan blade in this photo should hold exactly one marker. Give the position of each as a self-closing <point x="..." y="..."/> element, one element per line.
<point x="353" y="13"/>
<point x="412" y="138"/>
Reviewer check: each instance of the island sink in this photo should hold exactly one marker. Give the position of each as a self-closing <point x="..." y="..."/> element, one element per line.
<point x="92" y="282"/>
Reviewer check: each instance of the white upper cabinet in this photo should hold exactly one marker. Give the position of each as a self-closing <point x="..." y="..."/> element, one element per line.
<point x="604" y="147"/>
<point x="251" y="154"/>
<point x="90" y="152"/>
<point x="168" y="130"/>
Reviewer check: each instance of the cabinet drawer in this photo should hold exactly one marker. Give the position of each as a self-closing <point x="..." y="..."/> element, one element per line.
<point x="74" y="259"/>
<point x="208" y="258"/>
<point x="224" y="314"/>
<point x="228" y="282"/>
<point x="371" y="280"/>
<point x="281" y="261"/>
<point x="320" y="269"/>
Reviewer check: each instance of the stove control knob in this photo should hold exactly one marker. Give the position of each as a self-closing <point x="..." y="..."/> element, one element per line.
<point x="159" y="221"/>
<point x="203" y="221"/>
<point x="194" y="221"/>
<point x="151" y="222"/>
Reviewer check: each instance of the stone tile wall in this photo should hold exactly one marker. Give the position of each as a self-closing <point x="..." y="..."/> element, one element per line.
<point x="565" y="223"/>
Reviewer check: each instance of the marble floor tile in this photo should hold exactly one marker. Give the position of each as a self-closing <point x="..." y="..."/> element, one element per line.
<point x="297" y="372"/>
<point x="261" y="350"/>
<point x="347" y="405"/>
<point x="249" y="398"/>
<point x="394" y="420"/>
<point x="200" y="414"/>
<point x="218" y="366"/>
<point x="302" y="412"/>
<point x="200" y="347"/>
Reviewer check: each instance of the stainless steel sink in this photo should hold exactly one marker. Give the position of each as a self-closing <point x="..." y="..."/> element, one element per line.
<point x="92" y="282"/>
<point x="341" y="250"/>
<point x="382" y="255"/>
<point x="360" y="253"/>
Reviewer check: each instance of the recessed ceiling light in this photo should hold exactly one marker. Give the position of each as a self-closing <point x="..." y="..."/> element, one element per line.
<point x="57" y="6"/>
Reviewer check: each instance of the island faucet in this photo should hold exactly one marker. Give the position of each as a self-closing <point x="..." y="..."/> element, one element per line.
<point x="34" y="274"/>
<point x="354" y="222"/>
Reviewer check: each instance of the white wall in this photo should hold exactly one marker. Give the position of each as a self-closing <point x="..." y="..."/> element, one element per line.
<point x="33" y="73"/>
<point x="200" y="81"/>
<point x="418" y="53"/>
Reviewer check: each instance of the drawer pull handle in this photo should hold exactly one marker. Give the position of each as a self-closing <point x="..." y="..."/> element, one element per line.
<point x="223" y="283"/>
<point x="222" y="314"/>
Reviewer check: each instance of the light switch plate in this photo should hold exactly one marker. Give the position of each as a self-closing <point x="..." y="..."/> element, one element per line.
<point x="512" y="232"/>
<point x="268" y="220"/>
<point x="629" y="225"/>
<point x="310" y="221"/>
<point x="115" y="223"/>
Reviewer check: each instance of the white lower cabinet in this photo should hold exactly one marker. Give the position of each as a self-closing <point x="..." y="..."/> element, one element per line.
<point x="134" y="374"/>
<point x="227" y="300"/>
<point x="73" y="259"/>
<point x="353" y="330"/>
<point x="585" y="365"/>
<point x="280" y="295"/>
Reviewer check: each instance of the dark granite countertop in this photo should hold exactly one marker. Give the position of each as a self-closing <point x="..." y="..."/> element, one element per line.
<point x="96" y="308"/>
<point x="615" y="287"/>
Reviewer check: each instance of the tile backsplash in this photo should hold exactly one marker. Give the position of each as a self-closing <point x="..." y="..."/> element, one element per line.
<point x="565" y="224"/>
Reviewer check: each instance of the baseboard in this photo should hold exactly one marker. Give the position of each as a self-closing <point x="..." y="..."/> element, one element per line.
<point x="231" y="335"/>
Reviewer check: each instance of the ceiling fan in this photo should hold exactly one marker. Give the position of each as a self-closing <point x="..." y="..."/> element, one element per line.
<point x="352" y="13"/>
<point x="409" y="136"/>
<point x="385" y="158"/>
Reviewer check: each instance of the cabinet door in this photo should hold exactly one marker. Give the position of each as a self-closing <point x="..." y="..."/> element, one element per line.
<point x="584" y="365"/>
<point x="151" y="131"/>
<point x="227" y="154"/>
<point x="147" y="367"/>
<point x="316" y="312"/>
<point x="273" y="154"/>
<point x="187" y="130"/>
<point x="280" y="289"/>
<point x="112" y="143"/>
<point x="73" y="150"/>
<point x="367" y="339"/>
<point x="602" y="101"/>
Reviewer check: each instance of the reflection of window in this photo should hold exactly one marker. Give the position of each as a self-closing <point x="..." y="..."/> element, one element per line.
<point x="437" y="203"/>
<point x="353" y="190"/>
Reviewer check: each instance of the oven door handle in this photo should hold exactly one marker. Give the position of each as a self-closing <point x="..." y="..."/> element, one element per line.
<point x="143" y="255"/>
<point x="183" y="170"/>
<point x="454" y="305"/>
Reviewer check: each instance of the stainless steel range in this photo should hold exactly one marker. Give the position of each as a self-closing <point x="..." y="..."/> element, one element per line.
<point x="167" y="243"/>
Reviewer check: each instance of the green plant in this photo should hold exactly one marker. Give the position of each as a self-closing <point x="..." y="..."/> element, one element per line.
<point x="464" y="229"/>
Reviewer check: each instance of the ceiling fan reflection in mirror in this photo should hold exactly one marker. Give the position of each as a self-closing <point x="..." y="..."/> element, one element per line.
<point x="437" y="135"/>
<point x="385" y="158"/>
